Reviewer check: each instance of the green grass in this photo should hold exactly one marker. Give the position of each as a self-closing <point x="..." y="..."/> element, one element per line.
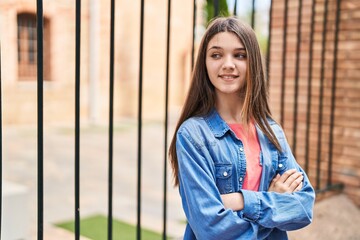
<point x="95" y="227"/>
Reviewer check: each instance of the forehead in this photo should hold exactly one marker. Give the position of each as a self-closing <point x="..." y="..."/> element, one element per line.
<point x="225" y="40"/>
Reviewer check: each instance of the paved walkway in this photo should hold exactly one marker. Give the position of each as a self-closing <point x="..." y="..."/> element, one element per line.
<point x="20" y="166"/>
<point x="20" y="161"/>
<point x="335" y="218"/>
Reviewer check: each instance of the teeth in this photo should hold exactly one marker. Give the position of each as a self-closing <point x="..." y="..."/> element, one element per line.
<point x="228" y="77"/>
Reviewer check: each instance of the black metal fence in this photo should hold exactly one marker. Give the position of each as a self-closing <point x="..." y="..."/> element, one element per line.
<point x="319" y="175"/>
<point x="40" y="190"/>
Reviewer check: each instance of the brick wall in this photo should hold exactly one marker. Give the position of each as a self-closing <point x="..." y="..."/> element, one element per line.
<point x="345" y="153"/>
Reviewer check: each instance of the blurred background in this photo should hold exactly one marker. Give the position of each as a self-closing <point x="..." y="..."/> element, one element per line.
<point x="311" y="50"/>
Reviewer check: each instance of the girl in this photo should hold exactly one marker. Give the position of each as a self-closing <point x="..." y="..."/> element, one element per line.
<point x="236" y="174"/>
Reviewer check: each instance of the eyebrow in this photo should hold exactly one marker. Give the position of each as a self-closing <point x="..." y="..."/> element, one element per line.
<point x="217" y="47"/>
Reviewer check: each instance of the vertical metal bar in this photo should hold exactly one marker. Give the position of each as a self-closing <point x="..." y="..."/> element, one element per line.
<point x="321" y="96"/>
<point x="297" y="65"/>
<point x="283" y="72"/>
<point x="253" y="11"/>
<point x="309" y="86"/>
<point x="40" y="125"/>
<point x="333" y="92"/>
<point x="269" y="44"/>
<point x="77" y="119"/>
<point x="111" y="118"/>
<point x="216" y="8"/>
<point x="235" y="8"/>
<point x="138" y="226"/>
<point x="193" y="37"/>
<point x="166" y="117"/>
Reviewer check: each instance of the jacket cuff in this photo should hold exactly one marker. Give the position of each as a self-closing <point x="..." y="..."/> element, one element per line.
<point x="251" y="211"/>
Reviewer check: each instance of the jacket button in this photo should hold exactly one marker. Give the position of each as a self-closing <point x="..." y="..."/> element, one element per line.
<point x="240" y="179"/>
<point x="241" y="149"/>
<point x="280" y="165"/>
<point x="225" y="174"/>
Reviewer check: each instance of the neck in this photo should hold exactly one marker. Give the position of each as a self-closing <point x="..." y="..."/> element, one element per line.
<point x="230" y="107"/>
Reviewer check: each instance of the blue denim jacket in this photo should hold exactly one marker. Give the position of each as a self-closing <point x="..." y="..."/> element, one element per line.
<point x="212" y="162"/>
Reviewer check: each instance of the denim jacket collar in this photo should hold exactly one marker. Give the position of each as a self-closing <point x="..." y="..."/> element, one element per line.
<point x="216" y="124"/>
<point x="219" y="127"/>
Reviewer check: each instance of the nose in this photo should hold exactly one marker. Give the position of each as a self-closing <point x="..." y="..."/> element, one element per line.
<point x="228" y="63"/>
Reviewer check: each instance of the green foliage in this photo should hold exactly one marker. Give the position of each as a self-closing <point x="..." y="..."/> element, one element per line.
<point x="210" y="9"/>
<point x="95" y="227"/>
<point x="263" y="42"/>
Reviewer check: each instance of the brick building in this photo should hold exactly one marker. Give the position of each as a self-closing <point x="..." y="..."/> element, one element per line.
<point x="345" y="167"/>
<point x="18" y="45"/>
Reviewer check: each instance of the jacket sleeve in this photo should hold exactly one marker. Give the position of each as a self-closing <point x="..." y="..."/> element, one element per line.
<point x="201" y="199"/>
<point x="285" y="211"/>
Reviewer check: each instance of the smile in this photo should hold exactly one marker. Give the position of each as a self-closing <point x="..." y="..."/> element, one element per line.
<point x="228" y="77"/>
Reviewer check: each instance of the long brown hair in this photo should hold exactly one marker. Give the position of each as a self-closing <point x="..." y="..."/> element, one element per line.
<point x="200" y="100"/>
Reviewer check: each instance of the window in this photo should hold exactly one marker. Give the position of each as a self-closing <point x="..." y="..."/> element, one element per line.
<point x="27" y="47"/>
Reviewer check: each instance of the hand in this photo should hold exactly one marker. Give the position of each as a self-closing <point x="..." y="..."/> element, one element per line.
<point x="289" y="182"/>
<point x="235" y="201"/>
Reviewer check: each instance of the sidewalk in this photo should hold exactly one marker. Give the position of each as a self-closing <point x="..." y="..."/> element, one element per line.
<point x="20" y="166"/>
<point x="334" y="218"/>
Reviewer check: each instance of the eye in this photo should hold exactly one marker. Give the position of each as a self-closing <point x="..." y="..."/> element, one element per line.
<point x="215" y="55"/>
<point x="240" y="55"/>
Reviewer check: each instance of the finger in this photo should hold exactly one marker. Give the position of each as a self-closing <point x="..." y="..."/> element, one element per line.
<point x="295" y="184"/>
<point x="276" y="178"/>
<point x="273" y="182"/>
<point x="299" y="187"/>
<point x="292" y="178"/>
<point x="286" y="175"/>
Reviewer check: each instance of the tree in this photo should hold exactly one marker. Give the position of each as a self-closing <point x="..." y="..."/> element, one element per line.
<point x="210" y="9"/>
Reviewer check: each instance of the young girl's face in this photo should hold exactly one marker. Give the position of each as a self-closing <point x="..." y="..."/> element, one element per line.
<point x="226" y="63"/>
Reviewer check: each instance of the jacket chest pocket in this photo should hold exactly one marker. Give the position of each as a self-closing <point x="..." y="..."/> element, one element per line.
<point x="223" y="173"/>
<point x="278" y="162"/>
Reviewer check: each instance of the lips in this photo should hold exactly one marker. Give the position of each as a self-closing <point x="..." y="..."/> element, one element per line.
<point x="228" y="76"/>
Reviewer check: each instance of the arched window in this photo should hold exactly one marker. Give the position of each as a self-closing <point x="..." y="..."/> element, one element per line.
<point x="27" y="47"/>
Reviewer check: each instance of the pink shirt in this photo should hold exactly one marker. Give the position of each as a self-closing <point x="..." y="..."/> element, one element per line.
<point x="252" y="152"/>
